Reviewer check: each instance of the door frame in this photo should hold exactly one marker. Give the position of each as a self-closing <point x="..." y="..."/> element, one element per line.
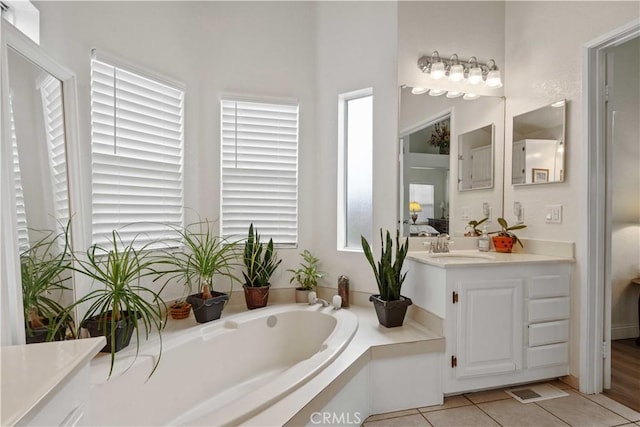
<point x="595" y="319"/>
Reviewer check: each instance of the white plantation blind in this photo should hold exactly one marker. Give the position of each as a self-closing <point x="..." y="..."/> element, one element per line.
<point x="23" y="233"/>
<point x="137" y="155"/>
<point x="260" y="170"/>
<point x="51" y="94"/>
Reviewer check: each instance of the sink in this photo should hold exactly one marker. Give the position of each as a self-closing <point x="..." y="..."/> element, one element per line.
<point x="460" y="257"/>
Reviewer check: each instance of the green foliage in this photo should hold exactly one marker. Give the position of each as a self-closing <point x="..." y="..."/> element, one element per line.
<point x="388" y="272"/>
<point x="308" y="274"/>
<point x="43" y="266"/>
<point x="473" y="226"/>
<point x="204" y="256"/>
<point x="260" y="261"/>
<point x="506" y="230"/>
<point x="118" y="268"/>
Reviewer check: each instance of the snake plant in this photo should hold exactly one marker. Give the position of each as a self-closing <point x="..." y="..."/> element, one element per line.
<point x="388" y="272"/>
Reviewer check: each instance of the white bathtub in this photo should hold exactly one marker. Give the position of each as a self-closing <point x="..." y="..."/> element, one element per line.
<point x="223" y="372"/>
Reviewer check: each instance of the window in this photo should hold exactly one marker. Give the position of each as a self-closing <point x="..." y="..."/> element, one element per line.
<point x="355" y="179"/>
<point x="21" y="213"/>
<point x="137" y="155"/>
<point x="260" y="170"/>
<point x="423" y="194"/>
<point x="51" y="95"/>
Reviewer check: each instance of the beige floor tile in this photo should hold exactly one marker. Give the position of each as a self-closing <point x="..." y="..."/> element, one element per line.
<point x="406" y="421"/>
<point x="449" y="402"/>
<point x="513" y="413"/>
<point x="487" y="396"/>
<point x="460" y="417"/>
<point x="577" y="410"/>
<point x="391" y="415"/>
<point x="618" y="408"/>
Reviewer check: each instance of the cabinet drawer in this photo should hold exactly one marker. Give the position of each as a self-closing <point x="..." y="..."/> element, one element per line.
<point x="548" y="333"/>
<point x="548" y="286"/>
<point x="543" y="310"/>
<point x="548" y="355"/>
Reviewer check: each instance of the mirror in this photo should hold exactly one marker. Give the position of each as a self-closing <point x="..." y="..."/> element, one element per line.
<point x="475" y="159"/>
<point x="486" y="115"/>
<point x="35" y="97"/>
<point x="539" y="145"/>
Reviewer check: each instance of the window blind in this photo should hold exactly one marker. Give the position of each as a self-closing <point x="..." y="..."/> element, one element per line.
<point x="260" y="170"/>
<point x="21" y="213"/>
<point x="137" y="155"/>
<point x="51" y="94"/>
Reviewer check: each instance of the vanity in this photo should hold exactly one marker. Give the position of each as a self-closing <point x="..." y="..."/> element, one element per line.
<point x="505" y="317"/>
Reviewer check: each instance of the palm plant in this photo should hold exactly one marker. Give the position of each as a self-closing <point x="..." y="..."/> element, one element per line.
<point x="122" y="302"/>
<point x="260" y="266"/>
<point x="388" y="272"/>
<point x="308" y="274"/>
<point x="43" y="266"/>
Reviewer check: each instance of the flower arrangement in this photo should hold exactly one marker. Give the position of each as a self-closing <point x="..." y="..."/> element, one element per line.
<point x="441" y="136"/>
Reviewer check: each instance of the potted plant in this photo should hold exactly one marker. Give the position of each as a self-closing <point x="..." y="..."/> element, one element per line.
<point x="505" y="239"/>
<point x="203" y="257"/>
<point x="390" y="305"/>
<point x="44" y="269"/>
<point x="121" y="305"/>
<point x="306" y="276"/>
<point x="472" y="228"/>
<point x="260" y="262"/>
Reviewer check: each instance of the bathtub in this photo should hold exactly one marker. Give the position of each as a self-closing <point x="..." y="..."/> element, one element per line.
<point x="223" y="372"/>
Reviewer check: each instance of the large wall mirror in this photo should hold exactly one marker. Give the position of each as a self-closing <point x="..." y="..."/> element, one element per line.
<point x="475" y="159"/>
<point x="539" y="145"/>
<point x="431" y="177"/>
<point x="36" y="120"/>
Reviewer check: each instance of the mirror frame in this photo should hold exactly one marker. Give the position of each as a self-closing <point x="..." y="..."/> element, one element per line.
<point x="563" y="142"/>
<point x="12" y="314"/>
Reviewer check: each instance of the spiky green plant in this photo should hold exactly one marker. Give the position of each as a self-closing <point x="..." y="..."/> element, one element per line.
<point x="203" y="257"/>
<point x="308" y="274"/>
<point x="260" y="266"/>
<point x="42" y="267"/>
<point x="118" y="269"/>
<point x="506" y="230"/>
<point x="388" y="271"/>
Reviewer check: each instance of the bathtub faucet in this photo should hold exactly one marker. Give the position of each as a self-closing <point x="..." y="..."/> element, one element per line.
<point x="313" y="299"/>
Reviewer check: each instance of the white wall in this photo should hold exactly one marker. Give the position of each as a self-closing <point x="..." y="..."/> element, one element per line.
<point x="543" y="63"/>
<point x="625" y="249"/>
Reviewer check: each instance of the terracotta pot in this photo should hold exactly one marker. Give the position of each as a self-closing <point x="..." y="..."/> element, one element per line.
<point x="180" y="311"/>
<point x="256" y="297"/>
<point x="503" y="243"/>
<point x="302" y="295"/>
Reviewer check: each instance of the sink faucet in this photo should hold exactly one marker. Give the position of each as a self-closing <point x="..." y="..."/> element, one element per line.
<point x="442" y="243"/>
<point x="313" y="299"/>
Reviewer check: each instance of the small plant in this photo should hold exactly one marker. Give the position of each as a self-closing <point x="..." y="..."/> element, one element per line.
<point x="506" y="231"/>
<point x="43" y="266"/>
<point x="472" y="227"/>
<point x="260" y="261"/>
<point x="121" y="302"/>
<point x="388" y="272"/>
<point x="308" y="274"/>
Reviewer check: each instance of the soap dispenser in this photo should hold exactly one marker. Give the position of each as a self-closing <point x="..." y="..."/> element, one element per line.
<point x="484" y="244"/>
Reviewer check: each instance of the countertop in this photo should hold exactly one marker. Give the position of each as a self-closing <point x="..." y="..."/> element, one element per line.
<point x="475" y="258"/>
<point x="32" y="373"/>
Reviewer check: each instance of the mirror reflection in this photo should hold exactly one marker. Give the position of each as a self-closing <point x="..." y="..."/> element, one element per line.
<point x="475" y="159"/>
<point x="539" y="145"/>
<point x="36" y="119"/>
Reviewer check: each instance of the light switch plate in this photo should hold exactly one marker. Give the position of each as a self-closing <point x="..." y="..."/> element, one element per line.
<point x="553" y="214"/>
<point x="465" y="213"/>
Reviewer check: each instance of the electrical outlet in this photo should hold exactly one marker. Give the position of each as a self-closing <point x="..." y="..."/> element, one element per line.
<point x="465" y="213"/>
<point x="553" y="214"/>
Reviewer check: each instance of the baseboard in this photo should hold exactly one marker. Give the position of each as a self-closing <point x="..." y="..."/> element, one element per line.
<point x="622" y="332"/>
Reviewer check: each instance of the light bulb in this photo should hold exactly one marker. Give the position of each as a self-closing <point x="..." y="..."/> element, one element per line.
<point x="419" y="90"/>
<point x="456" y="73"/>
<point x="493" y="79"/>
<point x="454" y="94"/>
<point x="475" y="75"/>
<point x="437" y="70"/>
<point x="437" y="92"/>
<point x="470" y="96"/>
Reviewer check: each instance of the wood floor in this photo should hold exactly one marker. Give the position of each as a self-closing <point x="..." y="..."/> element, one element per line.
<point x="625" y="373"/>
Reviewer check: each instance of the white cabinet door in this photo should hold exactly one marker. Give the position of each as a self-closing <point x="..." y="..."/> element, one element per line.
<point x="490" y="327"/>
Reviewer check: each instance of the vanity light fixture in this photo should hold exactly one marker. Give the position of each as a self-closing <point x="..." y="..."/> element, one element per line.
<point x="459" y="73"/>
<point x="419" y="90"/>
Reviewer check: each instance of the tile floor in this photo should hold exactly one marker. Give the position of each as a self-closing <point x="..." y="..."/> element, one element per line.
<point x="497" y="408"/>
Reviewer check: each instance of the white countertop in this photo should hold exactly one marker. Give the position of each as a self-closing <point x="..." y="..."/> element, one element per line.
<point x="30" y="373"/>
<point x="475" y="258"/>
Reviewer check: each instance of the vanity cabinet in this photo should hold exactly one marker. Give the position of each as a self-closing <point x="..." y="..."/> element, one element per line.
<point x="503" y="323"/>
